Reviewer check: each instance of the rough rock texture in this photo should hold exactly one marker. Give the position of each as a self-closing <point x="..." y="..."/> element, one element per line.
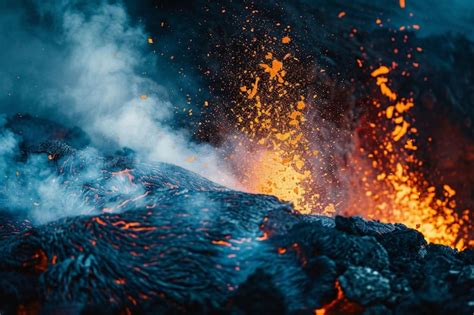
<point x="159" y="239"/>
<point x="364" y="285"/>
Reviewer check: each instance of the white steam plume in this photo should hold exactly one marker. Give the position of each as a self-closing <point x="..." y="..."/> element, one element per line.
<point x="97" y="59"/>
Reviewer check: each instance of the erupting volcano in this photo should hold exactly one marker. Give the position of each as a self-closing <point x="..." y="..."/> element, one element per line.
<point x="222" y="157"/>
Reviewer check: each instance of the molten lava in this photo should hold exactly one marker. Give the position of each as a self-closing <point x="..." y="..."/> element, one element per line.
<point x="387" y="183"/>
<point x="394" y="190"/>
<point x="271" y="121"/>
<point x="340" y="305"/>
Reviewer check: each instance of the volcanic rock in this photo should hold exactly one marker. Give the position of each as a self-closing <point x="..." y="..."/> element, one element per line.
<point x="149" y="238"/>
<point x="364" y="285"/>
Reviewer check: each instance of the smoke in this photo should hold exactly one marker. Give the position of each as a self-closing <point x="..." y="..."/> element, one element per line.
<point x="87" y="64"/>
<point x="44" y="188"/>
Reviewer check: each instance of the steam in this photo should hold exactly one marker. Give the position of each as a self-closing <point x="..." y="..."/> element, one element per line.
<point x="38" y="189"/>
<point x="94" y="79"/>
<point x="83" y="65"/>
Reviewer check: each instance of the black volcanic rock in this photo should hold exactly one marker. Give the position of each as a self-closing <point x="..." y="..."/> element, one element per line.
<point x="364" y="285"/>
<point x="155" y="238"/>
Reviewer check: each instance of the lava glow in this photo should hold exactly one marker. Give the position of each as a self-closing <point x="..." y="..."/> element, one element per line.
<point x="340" y="305"/>
<point x="394" y="191"/>
<point x="271" y="174"/>
<point x="388" y="185"/>
<point x="271" y="121"/>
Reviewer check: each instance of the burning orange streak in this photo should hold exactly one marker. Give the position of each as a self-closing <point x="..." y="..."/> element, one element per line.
<point x="254" y="88"/>
<point x="341" y="14"/>
<point x="449" y="191"/>
<point x="126" y="172"/>
<point x="340" y="305"/>
<point x="133" y="226"/>
<point x="402" y="4"/>
<point x="400" y="131"/>
<point x="286" y="40"/>
<point x="281" y="250"/>
<point x="126" y="224"/>
<point x="263" y="237"/>
<point x="221" y="243"/>
<point x="98" y="220"/>
<point x="275" y="70"/>
<point x="380" y="70"/>
<point x="385" y="90"/>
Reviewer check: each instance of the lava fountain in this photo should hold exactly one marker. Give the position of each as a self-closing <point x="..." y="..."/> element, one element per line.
<point x="387" y="180"/>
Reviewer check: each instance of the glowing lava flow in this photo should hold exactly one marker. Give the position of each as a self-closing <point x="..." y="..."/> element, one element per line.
<point x="340" y="305"/>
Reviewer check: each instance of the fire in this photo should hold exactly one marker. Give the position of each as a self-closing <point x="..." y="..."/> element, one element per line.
<point x="398" y="198"/>
<point x="340" y="305"/>
<point x="276" y="147"/>
<point x="272" y="174"/>
<point x="394" y="190"/>
<point x="277" y="153"/>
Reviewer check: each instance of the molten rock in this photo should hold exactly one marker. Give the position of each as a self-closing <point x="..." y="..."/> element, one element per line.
<point x="154" y="238"/>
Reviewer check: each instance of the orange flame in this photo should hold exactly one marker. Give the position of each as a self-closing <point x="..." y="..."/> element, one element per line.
<point x="340" y="305"/>
<point x="400" y="194"/>
<point x="271" y="121"/>
<point x="279" y="158"/>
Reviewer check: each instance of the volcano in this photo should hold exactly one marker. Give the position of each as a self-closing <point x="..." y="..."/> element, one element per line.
<point x="155" y="238"/>
<point x="236" y="157"/>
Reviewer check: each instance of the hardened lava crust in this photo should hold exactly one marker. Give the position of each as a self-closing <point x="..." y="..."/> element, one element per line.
<point x="157" y="239"/>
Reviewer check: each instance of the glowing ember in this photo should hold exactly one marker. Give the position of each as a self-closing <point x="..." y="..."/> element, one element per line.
<point x="271" y="120"/>
<point x="279" y="158"/>
<point x="394" y="190"/>
<point x="340" y="305"/>
<point x="271" y="174"/>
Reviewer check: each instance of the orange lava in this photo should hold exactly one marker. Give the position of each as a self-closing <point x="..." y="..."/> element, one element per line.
<point x="390" y="188"/>
<point x="340" y="305"/>
<point x="272" y="175"/>
<point x="271" y="120"/>
<point x="276" y="154"/>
